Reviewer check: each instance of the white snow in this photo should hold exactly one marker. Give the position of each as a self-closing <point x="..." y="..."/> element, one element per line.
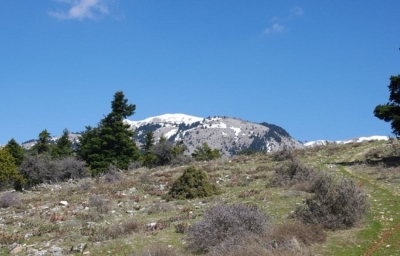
<point x="170" y="133"/>
<point x="220" y="125"/>
<point x="372" y="138"/>
<point x="166" y="118"/>
<point x="355" y="140"/>
<point x="236" y="130"/>
<point x="315" y="143"/>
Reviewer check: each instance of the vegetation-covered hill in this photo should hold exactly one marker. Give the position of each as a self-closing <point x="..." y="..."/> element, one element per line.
<point x="130" y="213"/>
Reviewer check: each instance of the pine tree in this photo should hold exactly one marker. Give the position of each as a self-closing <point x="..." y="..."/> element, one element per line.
<point x="43" y="144"/>
<point x="16" y="151"/>
<point x="205" y="153"/>
<point x="390" y="112"/>
<point x="148" y="141"/>
<point x="63" y="146"/>
<point x="178" y="148"/>
<point x="148" y="158"/>
<point x="111" y="142"/>
<point x="8" y="170"/>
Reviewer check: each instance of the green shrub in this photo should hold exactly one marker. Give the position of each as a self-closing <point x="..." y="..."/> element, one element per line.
<point x="192" y="183"/>
<point x="205" y="153"/>
<point x="8" y="170"/>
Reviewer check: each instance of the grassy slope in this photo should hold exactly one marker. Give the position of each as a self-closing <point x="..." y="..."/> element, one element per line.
<point x="136" y="197"/>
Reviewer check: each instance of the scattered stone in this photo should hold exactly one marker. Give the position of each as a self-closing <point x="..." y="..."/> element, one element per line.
<point x="17" y="249"/>
<point x="27" y="235"/>
<point x="63" y="203"/>
<point x="55" y="251"/>
<point x="78" y="248"/>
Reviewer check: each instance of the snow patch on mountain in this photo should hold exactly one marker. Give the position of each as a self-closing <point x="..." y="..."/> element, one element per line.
<point x="355" y="140"/>
<point x="170" y="133"/>
<point x="168" y="119"/>
<point x="236" y="130"/>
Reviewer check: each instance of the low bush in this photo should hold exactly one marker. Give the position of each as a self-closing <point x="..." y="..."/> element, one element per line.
<point x="181" y="160"/>
<point x="205" y="153"/>
<point x="282" y="155"/>
<point x="9" y="199"/>
<point x="192" y="183"/>
<point x="292" y="172"/>
<point x="244" y="244"/>
<point x="102" y="205"/>
<point x="113" y="175"/>
<point x="282" y="235"/>
<point x="334" y="206"/>
<point x="223" y="225"/>
<point x="41" y="168"/>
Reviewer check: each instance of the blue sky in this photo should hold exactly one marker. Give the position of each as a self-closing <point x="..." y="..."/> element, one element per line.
<point x="316" y="68"/>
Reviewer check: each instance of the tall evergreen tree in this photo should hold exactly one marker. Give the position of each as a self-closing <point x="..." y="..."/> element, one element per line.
<point x="148" y="141"/>
<point x="148" y="158"/>
<point x="16" y="151"/>
<point x="390" y="112"/>
<point x="63" y="146"/>
<point x="43" y="144"/>
<point x="8" y="171"/>
<point x="111" y="142"/>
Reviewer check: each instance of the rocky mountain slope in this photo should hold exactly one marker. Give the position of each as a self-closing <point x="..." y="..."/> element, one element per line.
<point x="230" y="135"/>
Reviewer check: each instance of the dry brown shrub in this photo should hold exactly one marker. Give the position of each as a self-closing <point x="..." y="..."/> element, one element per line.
<point x="334" y="206"/>
<point x="181" y="227"/>
<point x="9" y="199"/>
<point x="307" y="235"/>
<point x="292" y="172"/>
<point x="102" y="205"/>
<point x="223" y="226"/>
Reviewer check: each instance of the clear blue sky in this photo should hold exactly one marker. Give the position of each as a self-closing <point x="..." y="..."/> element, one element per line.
<point x="316" y="68"/>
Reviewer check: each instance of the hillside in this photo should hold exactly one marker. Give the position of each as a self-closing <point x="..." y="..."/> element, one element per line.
<point x="123" y="213"/>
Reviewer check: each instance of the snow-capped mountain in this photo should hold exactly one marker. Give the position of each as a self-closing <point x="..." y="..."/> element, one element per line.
<point x="167" y="119"/>
<point x="229" y="135"/>
<point x="354" y="140"/>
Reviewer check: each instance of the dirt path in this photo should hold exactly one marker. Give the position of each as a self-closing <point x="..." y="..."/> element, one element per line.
<point x="381" y="241"/>
<point x="384" y="236"/>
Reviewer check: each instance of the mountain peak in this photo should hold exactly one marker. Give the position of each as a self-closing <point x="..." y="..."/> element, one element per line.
<point x="166" y="118"/>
